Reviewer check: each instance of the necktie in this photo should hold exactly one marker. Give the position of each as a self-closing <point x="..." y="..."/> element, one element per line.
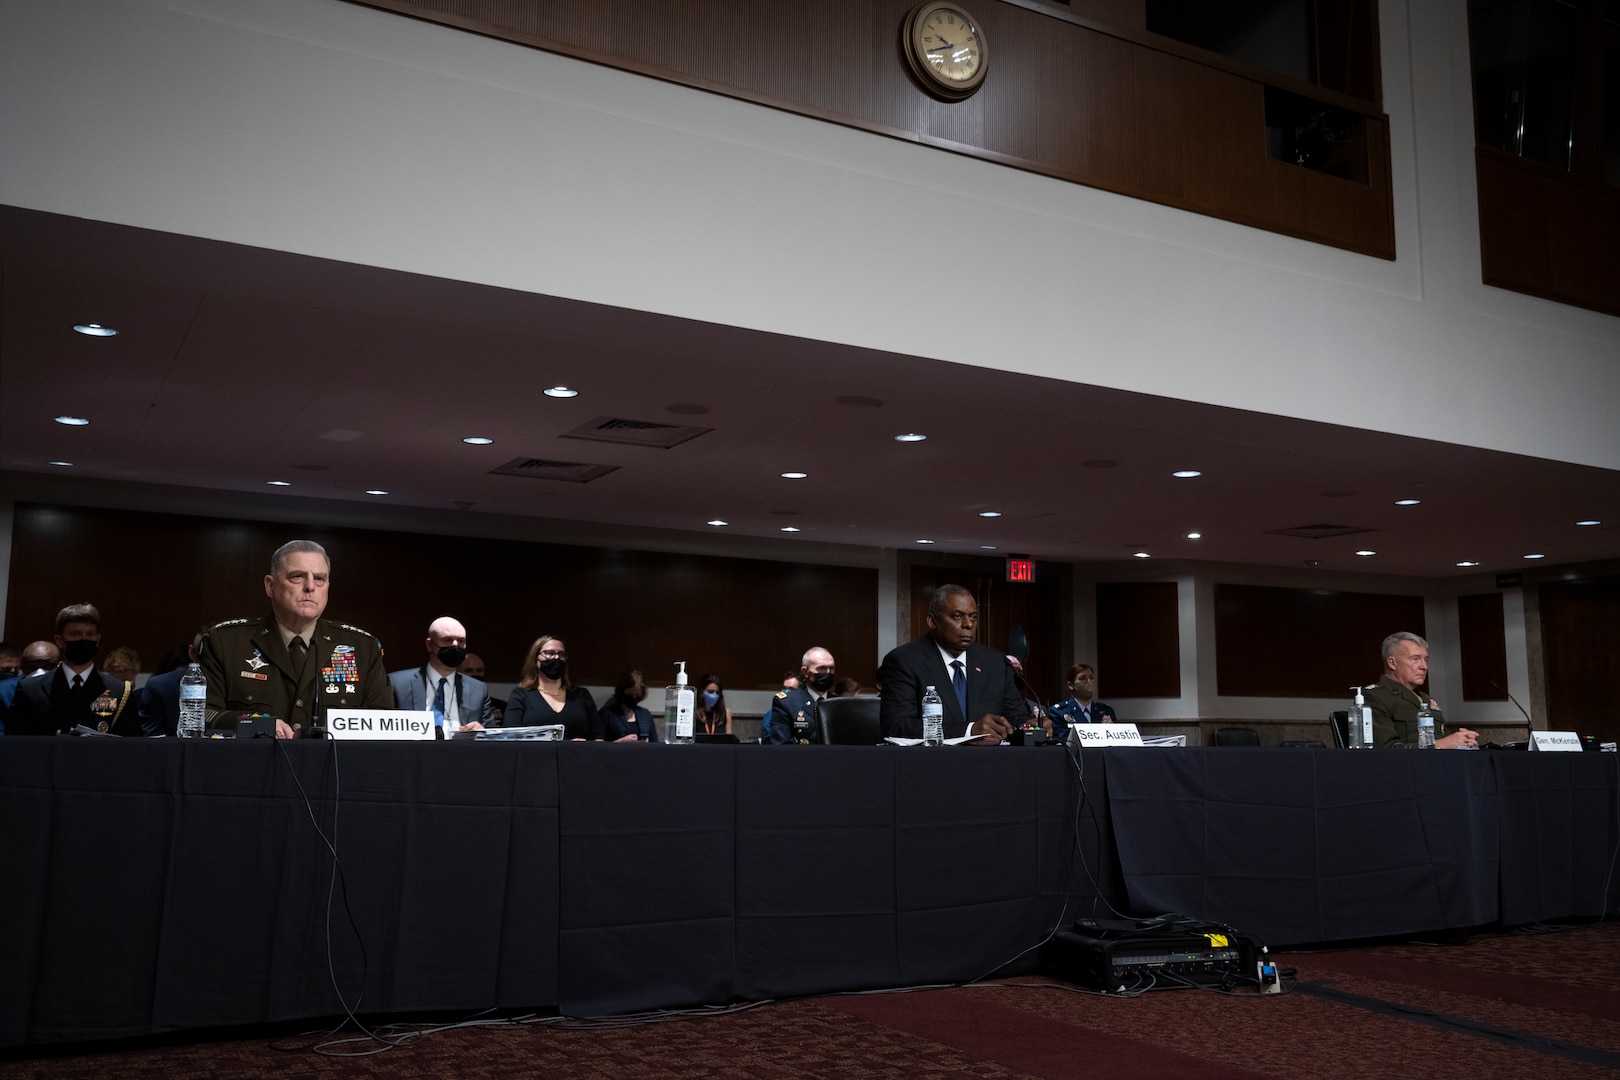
<point x="1085" y="714"/>
<point x="959" y="682"/>
<point x="78" y="681"/>
<point x="438" y="710"/>
<point x="297" y="650"/>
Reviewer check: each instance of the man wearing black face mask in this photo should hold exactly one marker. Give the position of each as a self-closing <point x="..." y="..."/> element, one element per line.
<point x="458" y="702"/>
<point x="795" y="715"/>
<point x="76" y="693"/>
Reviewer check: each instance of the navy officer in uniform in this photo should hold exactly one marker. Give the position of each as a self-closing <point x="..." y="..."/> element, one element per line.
<point x="795" y="713"/>
<point x="291" y="663"/>
<point x="77" y="693"/>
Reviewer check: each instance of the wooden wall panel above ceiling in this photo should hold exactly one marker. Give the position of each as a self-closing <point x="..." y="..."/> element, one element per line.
<point x="1105" y="105"/>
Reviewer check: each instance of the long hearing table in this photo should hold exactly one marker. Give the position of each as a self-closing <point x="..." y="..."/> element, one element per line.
<point x="165" y="885"/>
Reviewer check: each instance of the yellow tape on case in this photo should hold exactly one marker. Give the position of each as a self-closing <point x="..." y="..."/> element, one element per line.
<point x="1217" y="940"/>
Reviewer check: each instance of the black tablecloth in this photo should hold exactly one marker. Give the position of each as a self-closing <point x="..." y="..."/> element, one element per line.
<point x="164" y="885"/>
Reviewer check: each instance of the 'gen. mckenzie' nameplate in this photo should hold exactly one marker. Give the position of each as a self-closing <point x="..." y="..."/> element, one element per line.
<point x="379" y="724"/>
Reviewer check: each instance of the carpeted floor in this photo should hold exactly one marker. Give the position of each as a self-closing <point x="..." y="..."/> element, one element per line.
<point x="1498" y="1005"/>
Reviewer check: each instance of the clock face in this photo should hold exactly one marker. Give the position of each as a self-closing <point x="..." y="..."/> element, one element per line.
<point x="946" y="49"/>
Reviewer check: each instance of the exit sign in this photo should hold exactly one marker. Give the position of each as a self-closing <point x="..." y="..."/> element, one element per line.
<point x="1020" y="569"/>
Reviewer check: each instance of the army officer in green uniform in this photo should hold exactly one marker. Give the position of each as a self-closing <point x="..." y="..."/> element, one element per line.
<point x="1395" y="699"/>
<point x="291" y="663"/>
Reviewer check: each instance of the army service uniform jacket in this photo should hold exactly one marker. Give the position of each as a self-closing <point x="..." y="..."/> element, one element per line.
<point x="249" y="671"/>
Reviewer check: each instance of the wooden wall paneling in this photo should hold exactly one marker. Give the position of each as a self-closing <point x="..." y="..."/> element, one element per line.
<point x="1482" y="641"/>
<point x="1138" y="640"/>
<point x="1544" y="233"/>
<point x="1279" y="642"/>
<point x="1102" y="107"/>
<point x="1580" y="622"/>
<point x="157" y="577"/>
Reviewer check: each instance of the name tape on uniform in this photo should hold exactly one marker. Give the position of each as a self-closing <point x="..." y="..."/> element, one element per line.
<point x="379" y="723"/>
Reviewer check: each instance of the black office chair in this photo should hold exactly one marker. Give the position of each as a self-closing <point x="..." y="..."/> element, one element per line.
<point x="1339" y="722"/>
<point x="850" y="721"/>
<point x="1236" y="736"/>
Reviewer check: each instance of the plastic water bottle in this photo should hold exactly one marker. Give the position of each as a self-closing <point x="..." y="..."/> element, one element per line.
<point x="193" y="703"/>
<point x="933" y="719"/>
<point x="678" y="708"/>
<point x="1425" y="722"/>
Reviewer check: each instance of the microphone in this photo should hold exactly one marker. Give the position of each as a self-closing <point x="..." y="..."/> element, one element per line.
<point x="1515" y="701"/>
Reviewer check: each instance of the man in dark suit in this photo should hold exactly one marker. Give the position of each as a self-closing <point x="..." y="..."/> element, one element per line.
<point x="76" y="692"/>
<point x="1081" y="707"/>
<point x="795" y="712"/>
<point x="974" y="682"/>
<point x="457" y="701"/>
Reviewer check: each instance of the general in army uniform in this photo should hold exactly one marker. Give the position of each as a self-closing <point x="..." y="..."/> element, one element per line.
<point x="1395" y="700"/>
<point x="291" y="663"/>
<point x="795" y="715"/>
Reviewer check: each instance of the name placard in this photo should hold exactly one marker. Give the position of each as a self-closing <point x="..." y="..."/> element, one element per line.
<point x="379" y="723"/>
<point x="1105" y="735"/>
<point x="1555" y="740"/>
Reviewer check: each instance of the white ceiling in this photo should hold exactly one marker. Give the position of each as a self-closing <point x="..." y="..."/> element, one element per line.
<point x="234" y="366"/>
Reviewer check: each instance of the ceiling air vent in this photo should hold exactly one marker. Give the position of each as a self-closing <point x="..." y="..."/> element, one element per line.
<point x="635" y="432"/>
<point x="570" y="472"/>
<point x="1320" y="532"/>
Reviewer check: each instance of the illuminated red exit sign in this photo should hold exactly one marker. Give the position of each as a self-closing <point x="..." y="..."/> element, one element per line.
<point x="1020" y="569"/>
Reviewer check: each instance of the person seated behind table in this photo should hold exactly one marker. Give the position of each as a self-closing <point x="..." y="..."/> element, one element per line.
<point x="1395" y="700"/>
<point x="623" y="719"/>
<point x="38" y="658"/>
<point x="710" y="716"/>
<point x="123" y="663"/>
<point x="1081" y="706"/>
<point x="545" y="694"/>
<point x="159" y="704"/>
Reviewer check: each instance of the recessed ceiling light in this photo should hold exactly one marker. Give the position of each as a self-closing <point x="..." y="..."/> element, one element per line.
<point x="278" y="483"/>
<point x="717" y="521"/>
<point x="1141" y="555"/>
<point x="64" y="464"/>
<point x="560" y="391"/>
<point x="1186" y="474"/>
<point x="1587" y="522"/>
<point x="794" y="475"/>
<point x="1195" y="536"/>
<point x="910" y="436"/>
<point x="95" y="329"/>
<point x="989" y="513"/>
<point x="1407" y="502"/>
<point x="375" y="491"/>
<point x="1468" y="562"/>
<point x="477" y="440"/>
<point x="790" y="528"/>
<point x="987" y="547"/>
<point x="1535" y="556"/>
<point x="79" y="421"/>
<point x="1366" y="551"/>
<point x="925" y="541"/>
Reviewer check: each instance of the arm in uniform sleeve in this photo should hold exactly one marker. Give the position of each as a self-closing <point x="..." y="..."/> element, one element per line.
<point x="778" y="722"/>
<point x="375" y="690"/>
<point x="211" y="660"/>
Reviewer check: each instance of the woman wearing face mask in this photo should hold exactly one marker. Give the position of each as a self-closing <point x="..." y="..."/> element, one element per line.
<point x="546" y="695"/>
<point x="711" y="716"/>
<point x="623" y="719"/>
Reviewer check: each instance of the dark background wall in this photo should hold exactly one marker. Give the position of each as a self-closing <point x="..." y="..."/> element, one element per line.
<point x="157" y="577"/>
<point x="1274" y="642"/>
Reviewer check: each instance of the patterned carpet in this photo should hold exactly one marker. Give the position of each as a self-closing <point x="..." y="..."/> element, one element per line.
<point x="1499" y="1005"/>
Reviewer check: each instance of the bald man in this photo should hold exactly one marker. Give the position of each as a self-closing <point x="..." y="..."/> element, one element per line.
<point x="795" y="717"/>
<point x="458" y="702"/>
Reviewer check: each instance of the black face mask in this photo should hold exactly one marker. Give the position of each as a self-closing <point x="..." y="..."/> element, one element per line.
<point x="553" y="669"/>
<point x="451" y="656"/>
<point x="79" y="652"/>
<point x="635" y="697"/>
<point x="8" y="672"/>
<point x="821" y="683"/>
